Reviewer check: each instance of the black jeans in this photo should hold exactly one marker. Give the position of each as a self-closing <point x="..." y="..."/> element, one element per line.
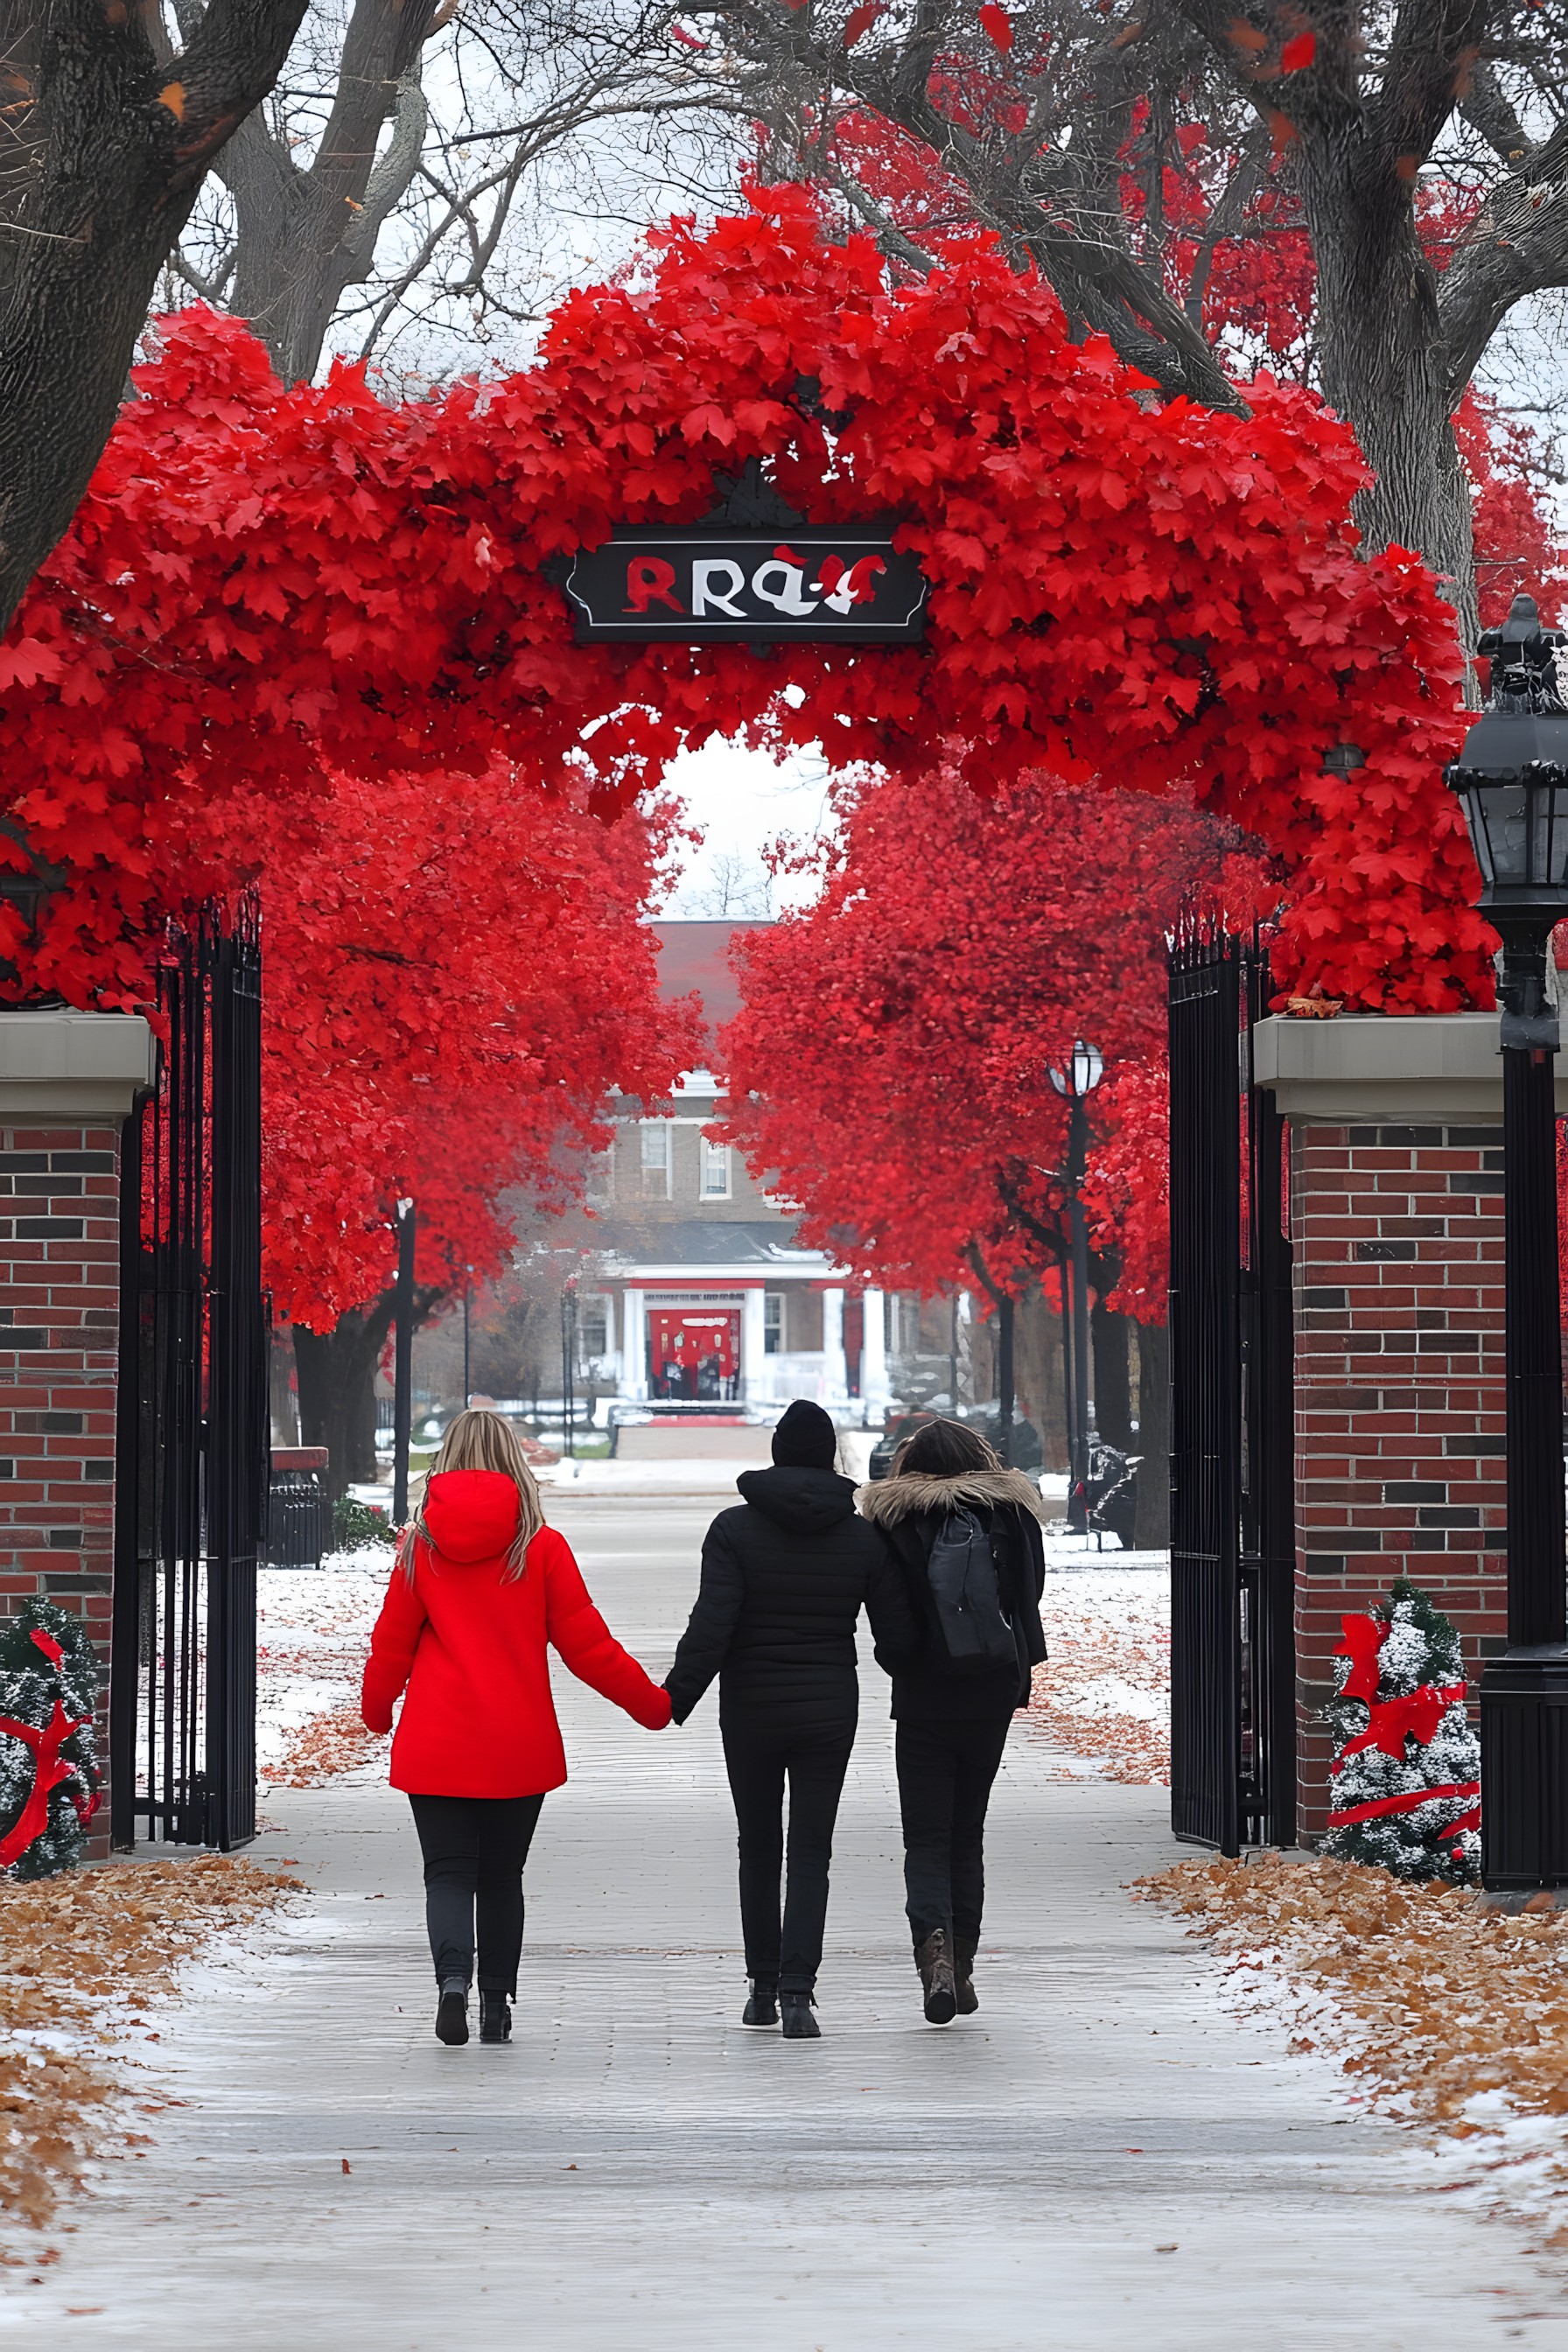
<point x="474" y="1849"/>
<point x="945" y="1771"/>
<point x="786" y="1954"/>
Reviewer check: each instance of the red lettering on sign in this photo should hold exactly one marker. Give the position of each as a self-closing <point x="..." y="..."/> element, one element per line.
<point x="862" y="578"/>
<point x="651" y="581"/>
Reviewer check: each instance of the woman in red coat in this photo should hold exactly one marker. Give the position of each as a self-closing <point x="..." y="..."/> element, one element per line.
<point x="481" y="1589"/>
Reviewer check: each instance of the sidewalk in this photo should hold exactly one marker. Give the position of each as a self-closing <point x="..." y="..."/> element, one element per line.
<point x="1104" y="2157"/>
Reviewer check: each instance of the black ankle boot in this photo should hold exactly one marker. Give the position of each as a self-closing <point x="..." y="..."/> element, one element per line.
<point x="934" y="1961"/>
<point x="762" y="2007"/>
<point x="962" y="1973"/>
<point x="452" y="2011"/>
<point x="495" y="2017"/>
<point x="799" y="2025"/>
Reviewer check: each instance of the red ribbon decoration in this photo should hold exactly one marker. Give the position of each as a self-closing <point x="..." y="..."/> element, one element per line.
<point x="1419" y="1713"/>
<point x="49" y="1769"/>
<point x="1409" y="1802"/>
<point x="1361" y="1641"/>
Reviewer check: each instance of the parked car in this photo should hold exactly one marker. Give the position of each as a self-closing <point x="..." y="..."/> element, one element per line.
<point x="1023" y="1449"/>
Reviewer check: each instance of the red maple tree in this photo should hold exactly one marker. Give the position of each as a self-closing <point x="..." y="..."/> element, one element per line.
<point x="264" y="583"/>
<point x="458" y="977"/>
<point x="458" y="974"/>
<point x="891" y="1064"/>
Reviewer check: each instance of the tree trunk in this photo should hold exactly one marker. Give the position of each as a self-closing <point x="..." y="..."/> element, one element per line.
<point x="1152" y="1525"/>
<point x="1382" y="354"/>
<point x="118" y="142"/>
<point x="337" y="1391"/>
<point x="282" y="1397"/>
<point x="305" y="235"/>
<point x="337" y="1384"/>
<point x="1112" y="1377"/>
<point x="1041" y="1396"/>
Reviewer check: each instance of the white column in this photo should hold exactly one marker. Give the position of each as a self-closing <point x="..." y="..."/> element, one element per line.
<point x="874" y="1389"/>
<point x="634" y="1346"/>
<point x="753" y="1346"/>
<point x="835" y="1368"/>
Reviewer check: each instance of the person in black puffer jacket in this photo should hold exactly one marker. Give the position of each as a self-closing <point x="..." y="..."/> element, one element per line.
<point x="784" y="1574"/>
<point x="952" y="1720"/>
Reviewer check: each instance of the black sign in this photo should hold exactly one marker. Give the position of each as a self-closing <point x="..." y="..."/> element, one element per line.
<point x="713" y="585"/>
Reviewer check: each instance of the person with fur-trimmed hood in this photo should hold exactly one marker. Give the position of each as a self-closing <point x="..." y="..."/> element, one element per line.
<point x="949" y="1499"/>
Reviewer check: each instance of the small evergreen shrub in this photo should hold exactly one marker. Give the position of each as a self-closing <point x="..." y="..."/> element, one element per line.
<point x="1408" y="1735"/>
<point x="355" y="1524"/>
<point x="46" y="1662"/>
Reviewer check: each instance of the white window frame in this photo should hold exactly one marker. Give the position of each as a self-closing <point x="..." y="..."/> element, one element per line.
<point x="657" y="1137"/>
<point x="712" y="1156"/>
<point x="603" y="1304"/>
<point x="599" y="1184"/>
<point x="774" y="1330"/>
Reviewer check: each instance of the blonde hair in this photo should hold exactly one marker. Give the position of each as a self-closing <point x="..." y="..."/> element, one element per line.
<point x="483" y="1440"/>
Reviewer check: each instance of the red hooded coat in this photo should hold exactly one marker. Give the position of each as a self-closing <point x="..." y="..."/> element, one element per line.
<point x="478" y="1719"/>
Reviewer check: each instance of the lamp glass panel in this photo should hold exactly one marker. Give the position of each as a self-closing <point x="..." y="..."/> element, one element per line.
<point x="1500" y="832"/>
<point x="1548" y="832"/>
<point x="1088" y="1067"/>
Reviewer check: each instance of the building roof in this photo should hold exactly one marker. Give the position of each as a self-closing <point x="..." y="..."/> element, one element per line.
<point x="705" y="1241"/>
<point x="696" y="955"/>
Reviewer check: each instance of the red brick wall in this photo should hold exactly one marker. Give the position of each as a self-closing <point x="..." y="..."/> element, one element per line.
<point x="1399" y="1393"/>
<point x="59" y="1287"/>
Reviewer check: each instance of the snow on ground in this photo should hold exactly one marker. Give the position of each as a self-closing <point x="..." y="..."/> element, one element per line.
<point x="312" y="1633"/>
<point x="1448" y="2011"/>
<point x="1103" y="1697"/>
<point x="1103" y="1700"/>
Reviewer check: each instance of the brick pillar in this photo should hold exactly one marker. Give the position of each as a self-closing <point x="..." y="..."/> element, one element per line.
<point x="1398" y="1285"/>
<point x="1396" y="1222"/>
<point x="65" y="1083"/>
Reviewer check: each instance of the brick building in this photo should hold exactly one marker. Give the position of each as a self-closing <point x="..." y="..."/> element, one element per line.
<point x="703" y="1293"/>
<point x="67" y="1081"/>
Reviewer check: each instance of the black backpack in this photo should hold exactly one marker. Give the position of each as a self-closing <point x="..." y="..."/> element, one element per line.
<point x="967" y="1592"/>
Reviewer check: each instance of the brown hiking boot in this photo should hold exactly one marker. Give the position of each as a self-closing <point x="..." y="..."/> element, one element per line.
<point x="964" y="1971"/>
<point x="934" y="1961"/>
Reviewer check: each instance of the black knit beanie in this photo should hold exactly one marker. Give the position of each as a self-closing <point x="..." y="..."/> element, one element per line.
<point x="806" y="1439"/>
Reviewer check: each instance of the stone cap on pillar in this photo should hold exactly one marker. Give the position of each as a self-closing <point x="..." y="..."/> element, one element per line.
<point x="1371" y="1069"/>
<point x="60" y="1067"/>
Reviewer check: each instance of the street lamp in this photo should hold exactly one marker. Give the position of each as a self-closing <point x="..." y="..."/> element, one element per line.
<point x="402" y="1363"/>
<point x="568" y="1361"/>
<point x="1513" y="776"/>
<point x="1077" y="1082"/>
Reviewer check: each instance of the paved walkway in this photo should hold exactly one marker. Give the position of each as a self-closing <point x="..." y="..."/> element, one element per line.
<point x="1103" y="2157"/>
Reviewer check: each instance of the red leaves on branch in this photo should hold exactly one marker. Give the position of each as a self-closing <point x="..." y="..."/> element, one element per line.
<point x="262" y="585"/>
<point x="897" y="1037"/>
<point x="457" y="976"/>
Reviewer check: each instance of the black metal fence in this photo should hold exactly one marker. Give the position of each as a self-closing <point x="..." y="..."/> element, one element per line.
<point x="1233" y="1746"/>
<point x="192" y="1451"/>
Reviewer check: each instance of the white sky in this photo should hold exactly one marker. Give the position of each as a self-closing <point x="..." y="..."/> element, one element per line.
<point x="742" y="801"/>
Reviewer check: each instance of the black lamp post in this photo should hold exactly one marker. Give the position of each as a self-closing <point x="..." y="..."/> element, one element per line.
<point x="568" y="1361"/>
<point x="1077" y="1082"/>
<point x="403" y="1364"/>
<point x="1513" y="776"/>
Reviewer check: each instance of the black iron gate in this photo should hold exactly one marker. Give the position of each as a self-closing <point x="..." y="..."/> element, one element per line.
<point x="191" y="1449"/>
<point x="1233" y="1743"/>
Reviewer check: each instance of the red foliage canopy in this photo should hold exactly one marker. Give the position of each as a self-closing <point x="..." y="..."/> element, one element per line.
<point x="897" y="1036"/>
<point x="456" y="976"/>
<point x="261" y="581"/>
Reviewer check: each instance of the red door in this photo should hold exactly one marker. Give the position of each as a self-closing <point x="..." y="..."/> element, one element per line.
<point x="694" y="1353"/>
